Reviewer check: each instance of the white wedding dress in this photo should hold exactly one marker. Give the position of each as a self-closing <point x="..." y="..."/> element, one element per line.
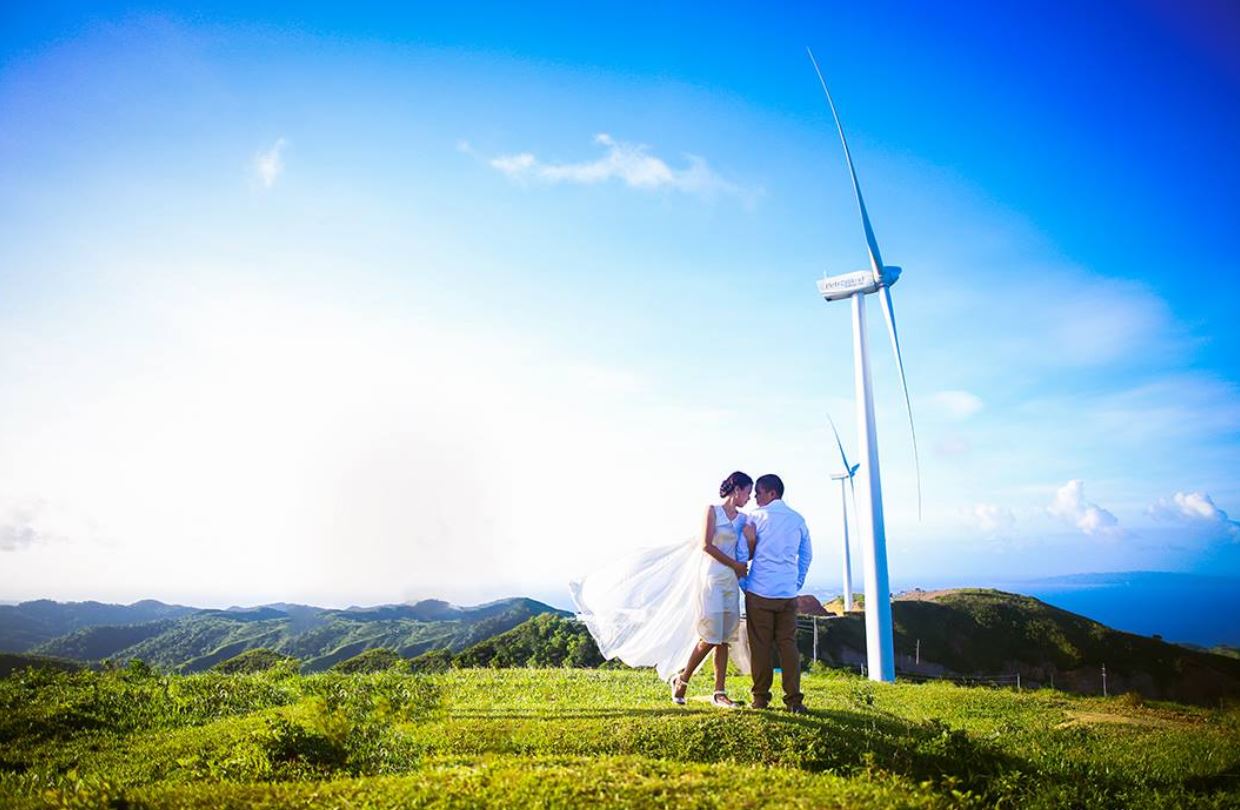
<point x="649" y="609"/>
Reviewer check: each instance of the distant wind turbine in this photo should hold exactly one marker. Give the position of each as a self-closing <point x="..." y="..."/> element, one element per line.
<point x="847" y="475"/>
<point x="879" y="644"/>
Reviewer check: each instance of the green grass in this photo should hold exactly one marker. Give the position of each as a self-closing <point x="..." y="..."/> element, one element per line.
<point x="563" y="737"/>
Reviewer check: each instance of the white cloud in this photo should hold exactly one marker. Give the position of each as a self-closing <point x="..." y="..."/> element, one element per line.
<point x="1194" y="508"/>
<point x="992" y="518"/>
<point x="631" y="164"/>
<point x="29" y="522"/>
<point x="17" y="527"/>
<point x="1070" y="506"/>
<point x="269" y="165"/>
<point x="958" y="405"/>
<point x="513" y="165"/>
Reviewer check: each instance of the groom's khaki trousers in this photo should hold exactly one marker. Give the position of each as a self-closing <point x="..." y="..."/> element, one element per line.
<point x="773" y="622"/>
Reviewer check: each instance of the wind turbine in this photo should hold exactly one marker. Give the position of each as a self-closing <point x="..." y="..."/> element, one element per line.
<point x="879" y="644"/>
<point x="847" y="475"/>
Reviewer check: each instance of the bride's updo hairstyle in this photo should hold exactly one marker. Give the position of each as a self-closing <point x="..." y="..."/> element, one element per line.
<point x="737" y="480"/>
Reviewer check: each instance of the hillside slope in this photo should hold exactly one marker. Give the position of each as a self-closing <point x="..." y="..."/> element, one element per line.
<point x="549" y="640"/>
<point x="975" y="632"/>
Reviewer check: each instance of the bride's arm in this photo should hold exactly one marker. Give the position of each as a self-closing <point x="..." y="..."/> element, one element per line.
<point x="710" y="548"/>
<point x="751" y="538"/>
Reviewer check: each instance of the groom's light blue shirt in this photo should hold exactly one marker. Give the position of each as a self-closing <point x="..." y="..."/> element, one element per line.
<point x="782" y="559"/>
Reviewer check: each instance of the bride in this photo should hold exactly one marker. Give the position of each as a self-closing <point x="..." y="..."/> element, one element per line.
<point x="668" y="607"/>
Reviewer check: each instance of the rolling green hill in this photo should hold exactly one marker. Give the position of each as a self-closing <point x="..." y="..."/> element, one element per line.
<point x="548" y="640"/>
<point x="376" y="659"/>
<point x="256" y="660"/>
<point x="105" y="641"/>
<point x="319" y="638"/>
<point x="974" y="632"/>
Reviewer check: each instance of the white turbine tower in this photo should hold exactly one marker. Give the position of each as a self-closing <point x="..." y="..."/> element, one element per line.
<point x="847" y="475"/>
<point x="880" y="651"/>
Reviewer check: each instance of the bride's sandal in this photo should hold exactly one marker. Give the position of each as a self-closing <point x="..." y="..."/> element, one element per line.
<point x="679" y="687"/>
<point x="722" y="700"/>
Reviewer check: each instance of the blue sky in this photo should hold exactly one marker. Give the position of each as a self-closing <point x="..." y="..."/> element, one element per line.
<point x="358" y="306"/>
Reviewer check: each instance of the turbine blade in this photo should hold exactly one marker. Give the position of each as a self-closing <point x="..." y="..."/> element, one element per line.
<point x="876" y="260"/>
<point x="850" y="469"/>
<point x="840" y="445"/>
<point x="890" y="315"/>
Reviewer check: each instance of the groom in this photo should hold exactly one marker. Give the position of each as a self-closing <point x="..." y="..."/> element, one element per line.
<point x="780" y="562"/>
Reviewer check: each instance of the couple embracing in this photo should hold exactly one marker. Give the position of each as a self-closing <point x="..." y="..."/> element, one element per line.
<point x="669" y="607"/>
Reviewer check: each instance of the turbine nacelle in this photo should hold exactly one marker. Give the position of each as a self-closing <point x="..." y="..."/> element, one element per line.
<point x="844" y="476"/>
<point x="837" y="288"/>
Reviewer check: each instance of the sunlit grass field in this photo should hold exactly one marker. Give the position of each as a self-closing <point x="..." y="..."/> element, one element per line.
<point x="551" y="738"/>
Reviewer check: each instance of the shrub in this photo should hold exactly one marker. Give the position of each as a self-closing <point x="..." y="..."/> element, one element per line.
<point x="379" y="659"/>
<point x="259" y="660"/>
<point x="440" y="660"/>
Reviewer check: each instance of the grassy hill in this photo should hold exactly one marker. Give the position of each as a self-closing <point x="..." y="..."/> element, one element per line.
<point x="376" y="659"/>
<point x="548" y="640"/>
<point x="320" y="638"/>
<point x="565" y="737"/>
<point x="256" y="660"/>
<point x="970" y="632"/>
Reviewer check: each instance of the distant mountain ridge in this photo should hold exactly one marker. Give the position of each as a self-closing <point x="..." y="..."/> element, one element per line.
<point x="26" y="625"/>
<point x="193" y="639"/>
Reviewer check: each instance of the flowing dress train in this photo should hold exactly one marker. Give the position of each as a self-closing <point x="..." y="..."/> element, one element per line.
<point x="650" y="608"/>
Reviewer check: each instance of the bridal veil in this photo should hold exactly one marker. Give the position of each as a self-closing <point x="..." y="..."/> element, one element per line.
<point x="643" y="608"/>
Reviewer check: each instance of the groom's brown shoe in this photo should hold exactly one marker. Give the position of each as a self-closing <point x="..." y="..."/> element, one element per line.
<point x="761" y="705"/>
<point x="798" y="708"/>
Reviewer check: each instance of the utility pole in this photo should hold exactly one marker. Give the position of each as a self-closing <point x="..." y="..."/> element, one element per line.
<point x="919" y="652"/>
<point x="1104" y="680"/>
<point x="815" y="638"/>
